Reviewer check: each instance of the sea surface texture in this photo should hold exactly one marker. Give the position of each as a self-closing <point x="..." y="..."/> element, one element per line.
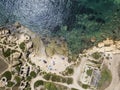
<point x="36" y="14"/>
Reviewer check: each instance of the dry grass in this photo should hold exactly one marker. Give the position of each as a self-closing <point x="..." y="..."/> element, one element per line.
<point x="3" y="65"/>
<point x="119" y="71"/>
<point x="106" y="78"/>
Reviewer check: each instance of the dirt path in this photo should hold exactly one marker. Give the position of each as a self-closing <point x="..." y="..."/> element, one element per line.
<point x="77" y="73"/>
<point x="115" y="84"/>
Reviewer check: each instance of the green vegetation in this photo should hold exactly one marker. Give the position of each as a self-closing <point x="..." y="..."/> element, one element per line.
<point x="50" y="86"/>
<point x="63" y="80"/>
<point x="29" y="78"/>
<point x="57" y="78"/>
<point x="38" y="83"/>
<point x="85" y="86"/>
<point x="33" y="74"/>
<point x="96" y="55"/>
<point x="10" y="84"/>
<point x="69" y="80"/>
<point x="106" y="78"/>
<point x="8" y="52"/>
<point x="18" y="80"/>
<point x="74" y="89"/>
<point x="17" y="68"/>
<point x="68" y="71"/>
<point x="22" y="46"/>
<point x="47" y="76"/>
<point x="52" y="77"/>
<point x="89" y="72"/>
<point x="8" y="75"/>
<point x="28" y="88"/>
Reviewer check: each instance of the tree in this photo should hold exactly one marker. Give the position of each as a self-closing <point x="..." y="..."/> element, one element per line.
<point x="47" y="76"/>
<point x="22" y="46"/>
<point x="10" y="84"/>
<point x="50" y="86"/>
<point x="33" y="74"/>
<point x="69" y="80"/>
<point x="38" y="83"/>
<point x="8" y="75"/>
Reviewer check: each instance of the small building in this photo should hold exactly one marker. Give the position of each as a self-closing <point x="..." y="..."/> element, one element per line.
<point x="90" y="75"/>
<point x="22" y="85"/>
<point x="3" y="81"/>
<point x="24" y="71"/>
<point x="95" y="78"/>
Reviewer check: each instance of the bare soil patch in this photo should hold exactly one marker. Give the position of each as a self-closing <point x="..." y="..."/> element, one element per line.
<point x="106" y="78"/>
<point x="3" y="65"/>
<point x="119" y="71"/>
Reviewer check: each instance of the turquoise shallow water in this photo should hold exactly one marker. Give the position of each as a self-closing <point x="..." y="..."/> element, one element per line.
<point x="91" y="19"/>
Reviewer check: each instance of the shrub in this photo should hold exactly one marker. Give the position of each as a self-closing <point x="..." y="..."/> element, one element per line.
<point x="96" y="55"/>
<point x="10" y="84"/>
<point x="56" y="78"/>
<point x="106" y="78"/>
<point x="64" y="80"/>
<point x="69" y="80"/>
<point x="8" y="75"/>
<point x="70" y="71"/>
<point x="8" y="52"/>
<point x="89" y="72"/>
<point x="38" y="83"/>
<point x="50" y="86"/>
<point x="29" y="78"/>
<point x="47" y="76"/>
<point x="85" y="86"/>
<point x="22" y="46"/>
<point x="17" y="68"/>
<point x="18" y="80"/>
<point x="74" y="89"/>
<point x="33" y="74"/>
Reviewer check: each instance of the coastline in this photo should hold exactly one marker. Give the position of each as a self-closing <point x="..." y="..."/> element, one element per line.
<point x="48" y="58"/>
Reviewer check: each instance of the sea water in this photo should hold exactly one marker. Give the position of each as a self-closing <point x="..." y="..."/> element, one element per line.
<point x="38" y="15"/>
